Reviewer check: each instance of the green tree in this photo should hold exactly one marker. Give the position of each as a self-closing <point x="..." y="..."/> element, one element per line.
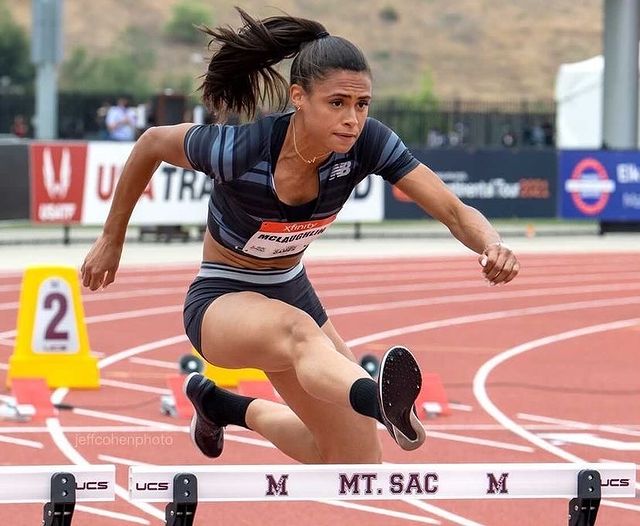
<point x="14" y="51"/>
<point x="125" y="70"/>
<point x="185" y="18"/>
<point x="425" y="95"/>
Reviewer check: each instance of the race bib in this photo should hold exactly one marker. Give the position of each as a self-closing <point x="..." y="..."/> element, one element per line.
<point x="275" y="239"/>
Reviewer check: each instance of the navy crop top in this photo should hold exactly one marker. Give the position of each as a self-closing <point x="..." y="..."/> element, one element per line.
<point x="245" y="214"/>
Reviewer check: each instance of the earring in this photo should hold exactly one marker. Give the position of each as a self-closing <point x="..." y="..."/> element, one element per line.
<point x="297" y="108"/>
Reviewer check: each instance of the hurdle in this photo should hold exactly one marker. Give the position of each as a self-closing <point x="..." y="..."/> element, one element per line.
<point x="183" y="487"/>
<point x="59" y="487"/>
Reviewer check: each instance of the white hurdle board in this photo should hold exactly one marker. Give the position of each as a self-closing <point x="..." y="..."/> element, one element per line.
<point x="19" y="484"/>
<point x="380" y="481"/>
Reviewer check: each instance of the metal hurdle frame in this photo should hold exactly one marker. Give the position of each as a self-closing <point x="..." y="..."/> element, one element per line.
<point x="183" y="487"/>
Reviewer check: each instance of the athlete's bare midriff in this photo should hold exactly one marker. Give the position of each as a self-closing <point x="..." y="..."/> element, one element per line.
<point x="214" y="252"/>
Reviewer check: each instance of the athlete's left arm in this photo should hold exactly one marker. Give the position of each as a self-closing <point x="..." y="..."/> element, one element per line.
<point x="467" y="224"/>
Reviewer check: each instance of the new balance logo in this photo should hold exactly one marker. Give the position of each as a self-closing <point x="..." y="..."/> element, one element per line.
<point x="340" y="170"/>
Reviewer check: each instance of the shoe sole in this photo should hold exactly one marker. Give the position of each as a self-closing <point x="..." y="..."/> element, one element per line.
<point x="409" y="377"/>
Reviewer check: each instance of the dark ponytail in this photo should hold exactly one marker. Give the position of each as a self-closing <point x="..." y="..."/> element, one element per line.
<point x="241" y="76"/>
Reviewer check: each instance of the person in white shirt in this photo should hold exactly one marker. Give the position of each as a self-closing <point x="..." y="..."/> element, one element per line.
<point x="121" y="122"/>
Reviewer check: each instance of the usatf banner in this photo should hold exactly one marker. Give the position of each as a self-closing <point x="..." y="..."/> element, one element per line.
<point x="74" y="183"/>
<point x="57" y="171"/>
<point x="601" y="185"/>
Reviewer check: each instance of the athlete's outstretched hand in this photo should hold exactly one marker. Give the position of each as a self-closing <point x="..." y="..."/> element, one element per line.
<point x="101" y="263"/>
<point x="499" y="264"/>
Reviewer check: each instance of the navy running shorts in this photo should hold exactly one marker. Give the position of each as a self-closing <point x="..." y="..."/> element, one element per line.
<point x="291" y="286"/>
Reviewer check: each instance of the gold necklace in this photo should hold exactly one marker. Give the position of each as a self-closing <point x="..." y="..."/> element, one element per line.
<point x="295" y="146"/>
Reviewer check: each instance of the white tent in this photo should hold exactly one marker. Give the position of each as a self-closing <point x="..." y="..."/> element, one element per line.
<point x="578" y="96"/>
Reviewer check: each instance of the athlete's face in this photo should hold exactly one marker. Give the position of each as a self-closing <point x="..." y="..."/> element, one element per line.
<point x="335" y="110"/>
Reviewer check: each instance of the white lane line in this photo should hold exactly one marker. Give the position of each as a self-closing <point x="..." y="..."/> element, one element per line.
<point x="20" y="441"/>
<point x="122" y="315"/>
<point x="478" y="441"/>
<point x="110" y="514"/>
<point x="467" y="284"/>
<point x="8" y="343"/>
<point x="134" y="387"/>
<point x="122" y="461"/>
<point x="110" y="296"/>
<point x="480" y="384"/>
<point x="164" y="278"/>
<point x="441" y="512"/>
<point x="137" y="313"/>
<point x="155" y="363"/>
<point x="55" y="430"/>
<point x="127" y="353"/>
<point x="493" y="315"/>
<point x="589" y="439"/>
<point x="460" y="407"/>
<point x="4" y="367"/>
<point x="614" y="429"/>
<point x="606" y="272"/>
<point x="429" y="264"/>
<point x="128" y="419"/>
<point x="484" y="297"/>
<point x="380" y="511"/>
<point x="250" y="441"/>
<point x="96" y="429"/>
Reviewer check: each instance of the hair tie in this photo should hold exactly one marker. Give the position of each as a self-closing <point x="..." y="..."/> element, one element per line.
<point x="322" y="34"/>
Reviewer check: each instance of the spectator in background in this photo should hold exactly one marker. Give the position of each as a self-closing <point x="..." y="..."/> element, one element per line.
<point x="121" y="121"/>
<point x="19" y="127"/>
<point x="101" y="120"/>
<point x="549" y="139"/>
<point x="509" y="139"/>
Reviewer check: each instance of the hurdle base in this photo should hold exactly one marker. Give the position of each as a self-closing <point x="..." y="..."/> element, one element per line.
<point x="59" y="510"/>
<point x="181" y="510"/>
<point x="583" y="510"/>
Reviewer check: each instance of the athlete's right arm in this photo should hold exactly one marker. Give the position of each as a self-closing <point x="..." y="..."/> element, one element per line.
<point x="162" y="143"/>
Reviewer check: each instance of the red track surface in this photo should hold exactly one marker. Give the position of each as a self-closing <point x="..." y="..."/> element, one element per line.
<point x="590" y="379"/>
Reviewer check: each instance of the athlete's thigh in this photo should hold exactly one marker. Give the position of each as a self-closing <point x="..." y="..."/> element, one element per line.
<point x="247" y="329"/>
<point x="341" y="434"/>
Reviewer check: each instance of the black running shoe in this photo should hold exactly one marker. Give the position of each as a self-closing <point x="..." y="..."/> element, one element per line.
<point x="399" y="384"/>
<point x="205" y="434"/>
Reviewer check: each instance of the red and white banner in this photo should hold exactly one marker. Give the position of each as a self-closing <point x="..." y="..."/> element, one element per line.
<point x="75" y="183"/>
<point x="57" y="181"/>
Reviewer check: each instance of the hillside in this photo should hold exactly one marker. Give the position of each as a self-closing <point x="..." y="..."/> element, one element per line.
<point x="473" y="49"/>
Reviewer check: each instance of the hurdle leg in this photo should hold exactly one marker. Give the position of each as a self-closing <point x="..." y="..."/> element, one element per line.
<point x="182" y="509"/>
<point x="583" y="510"/>
<point x="59" y="510"/>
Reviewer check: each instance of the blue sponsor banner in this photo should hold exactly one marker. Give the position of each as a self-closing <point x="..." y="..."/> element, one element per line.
<point x="499" y="183"/>
<point x="599" y="184"/>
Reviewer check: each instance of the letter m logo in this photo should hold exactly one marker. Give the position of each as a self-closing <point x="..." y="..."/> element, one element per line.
<point x="277" y="488"/>
<point x="497" y="485"/>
